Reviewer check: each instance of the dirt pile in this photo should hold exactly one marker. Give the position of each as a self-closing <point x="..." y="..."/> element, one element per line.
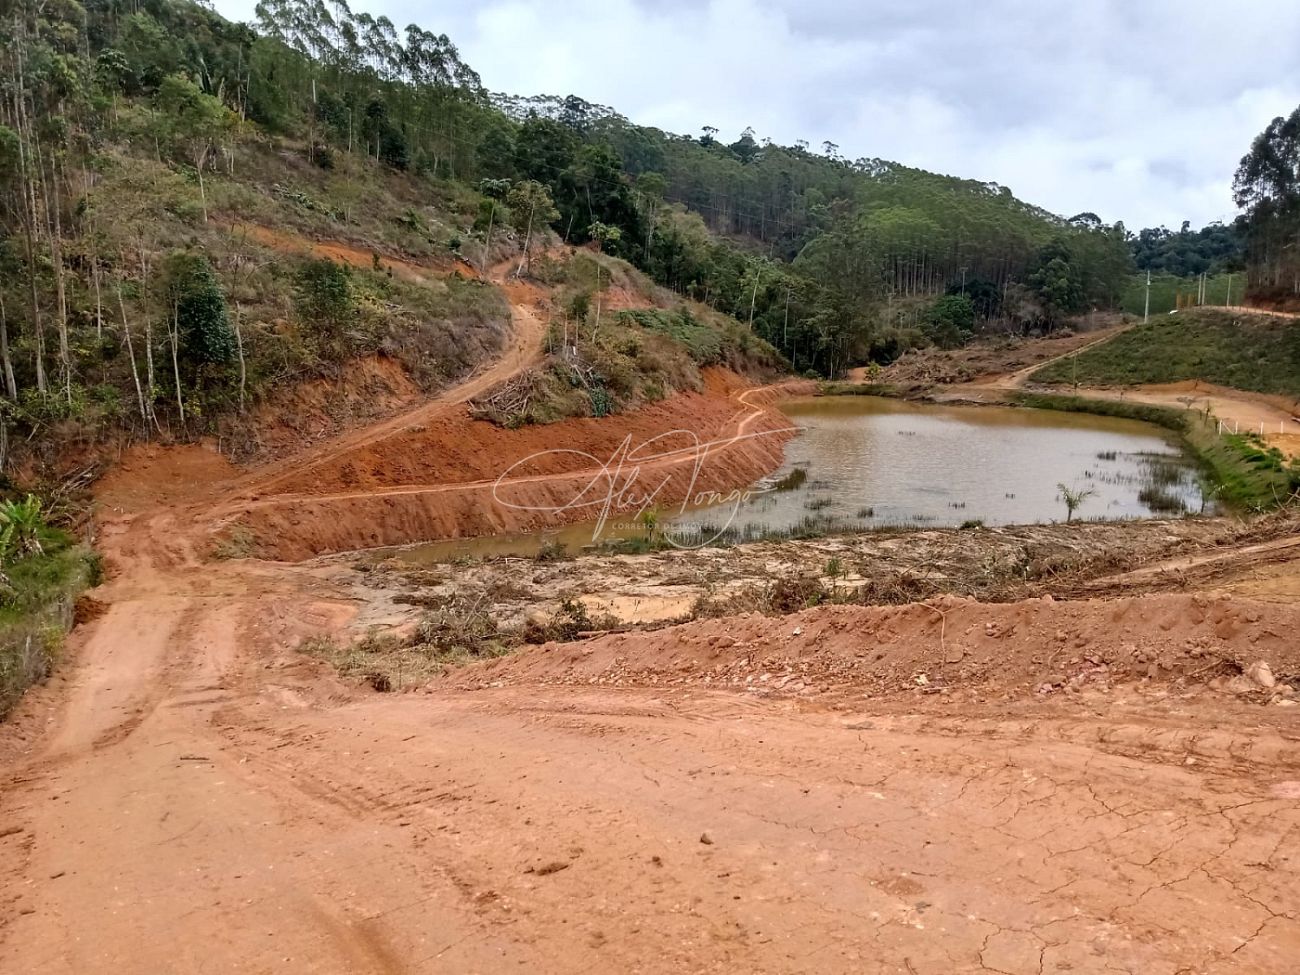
<point x="458" y="448"/>
<point x="872" y="568"/>
<point x="1036" y="646"/>
<point x="371" y="389"/>
<point x="446" y="481"/>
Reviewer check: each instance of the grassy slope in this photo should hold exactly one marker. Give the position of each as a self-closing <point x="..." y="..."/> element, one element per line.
<point x="1258" y="353"/>
<point x="1165" y="289"/>
<point x="35" y="614"/>
<point x="630" y="342"/>
<point x="266" y="212"/>
<point x="438" y="327"/>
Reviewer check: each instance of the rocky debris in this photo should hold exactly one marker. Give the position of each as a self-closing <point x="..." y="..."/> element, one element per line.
<point x="1262" y="674"/>
<point x="934" y="648"/>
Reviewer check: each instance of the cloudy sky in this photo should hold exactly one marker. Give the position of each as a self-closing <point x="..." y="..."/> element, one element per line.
<point x="1137" y="110"/>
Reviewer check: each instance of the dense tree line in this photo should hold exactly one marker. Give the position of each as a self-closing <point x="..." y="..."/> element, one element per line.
<point x="1186" y="253"/>
<point x="1267" y="189"/>
<point x="829" y="259"/>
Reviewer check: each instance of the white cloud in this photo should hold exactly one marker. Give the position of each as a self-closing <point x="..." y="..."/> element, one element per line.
<point x="1136" y="111"/>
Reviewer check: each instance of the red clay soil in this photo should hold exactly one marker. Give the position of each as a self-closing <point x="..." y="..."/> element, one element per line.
<point x="1062" y="792"/>
<point x="951" y="644"/>
<point x="463" y="477"/>
<point x="459" y="448"/>
<point x="191" y="795"/>
<point x="368" y="390"/>
<point x="288" y="242"/>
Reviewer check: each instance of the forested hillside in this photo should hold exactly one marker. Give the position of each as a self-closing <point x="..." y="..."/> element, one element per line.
<point x="1186" y="253"/>
<point x="1267" y="189"/>
<point x="139" y="143"/>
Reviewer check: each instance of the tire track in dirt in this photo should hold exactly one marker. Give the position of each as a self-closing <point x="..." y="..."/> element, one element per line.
<point x="198" y="797"/>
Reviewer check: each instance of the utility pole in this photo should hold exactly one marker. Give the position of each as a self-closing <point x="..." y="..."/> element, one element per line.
<point x="785" y="331"/>
<point x="1146" y="310"/>
<point x="1227" y="302"/>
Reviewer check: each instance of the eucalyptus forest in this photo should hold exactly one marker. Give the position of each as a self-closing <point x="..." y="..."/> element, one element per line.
<point x="114" y="307"/>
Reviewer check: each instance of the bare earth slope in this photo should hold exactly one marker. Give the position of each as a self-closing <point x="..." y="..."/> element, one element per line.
<point x="200" y="798"/>
<point x="752" y="795"/>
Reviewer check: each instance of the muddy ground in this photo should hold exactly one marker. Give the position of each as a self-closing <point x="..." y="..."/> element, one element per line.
<point x="1104" y="783"/>
<point x="873" y="567"/>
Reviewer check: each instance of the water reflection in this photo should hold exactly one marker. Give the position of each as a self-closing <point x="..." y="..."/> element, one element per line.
<point x="873" y="462"/>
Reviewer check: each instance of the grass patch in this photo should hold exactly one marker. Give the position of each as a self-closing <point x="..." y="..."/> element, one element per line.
<point x="238" y="542"/>
<point x="792" y="481"/>
<point x="1251" y="352"/>
<point x="38" y="610"/>
<point x="1161" y="501"/>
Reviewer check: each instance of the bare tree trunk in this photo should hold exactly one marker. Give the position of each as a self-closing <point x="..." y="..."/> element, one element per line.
<point x="150" y="383"/>
<point x="523" y="260"/>
<point x="130" y="353"/>
<point x="243" y="365"/>
<point x="201" y="159"/>
<point x="487" y="242"/>
<point x="175" y="335"/>
<point x="11" y="385"/>
<point x="54" y="226"/>
<point x="31" y="222"/>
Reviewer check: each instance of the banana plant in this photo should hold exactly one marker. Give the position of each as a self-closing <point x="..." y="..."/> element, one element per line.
<point x="21" y="525"/>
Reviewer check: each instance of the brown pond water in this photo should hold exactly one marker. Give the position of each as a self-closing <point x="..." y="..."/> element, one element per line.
<point x="872" y="462"/>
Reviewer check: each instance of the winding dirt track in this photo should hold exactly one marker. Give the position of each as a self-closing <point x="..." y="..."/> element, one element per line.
<point x="523" y="349"/>
<point x="192" y="796"/>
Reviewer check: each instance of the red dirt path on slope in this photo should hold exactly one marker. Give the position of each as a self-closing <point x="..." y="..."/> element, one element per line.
<point x="192" y="795"/>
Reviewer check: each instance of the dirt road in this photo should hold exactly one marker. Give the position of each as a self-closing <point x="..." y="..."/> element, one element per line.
<point x="523" y="349"/>
<point x="191" y="795"/>
<point x="1269" y="416"/>
<point x="197" y="798"/>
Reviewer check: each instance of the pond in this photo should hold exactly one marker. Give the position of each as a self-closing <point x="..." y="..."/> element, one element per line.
<point x="866" y="462"/>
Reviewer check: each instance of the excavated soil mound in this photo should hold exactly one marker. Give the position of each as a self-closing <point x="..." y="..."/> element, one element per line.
<point x="459" y="448"/>
<point x="464" y="478"/>
<point x="1039" y="645"/>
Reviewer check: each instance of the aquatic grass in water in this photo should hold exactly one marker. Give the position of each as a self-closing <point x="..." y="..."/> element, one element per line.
<point x="905" y="463"/>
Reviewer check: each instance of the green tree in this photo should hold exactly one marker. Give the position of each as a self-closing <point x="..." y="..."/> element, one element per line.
<point x="191" y="121"/>
<point x="530" y="206"/>
<point x="199" y="330"/>
<point x="1267" y="188"/>
<point x="1074" y="498"/>
<point x="1056" y="282"/>
<point x="323" y="296"/>
<point x="199" y="308"/>
<point x="604" y="235"/>
<point x="950" y="321"/>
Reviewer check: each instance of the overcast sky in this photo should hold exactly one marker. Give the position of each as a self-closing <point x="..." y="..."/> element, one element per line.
<point x="1137" y="110"/>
